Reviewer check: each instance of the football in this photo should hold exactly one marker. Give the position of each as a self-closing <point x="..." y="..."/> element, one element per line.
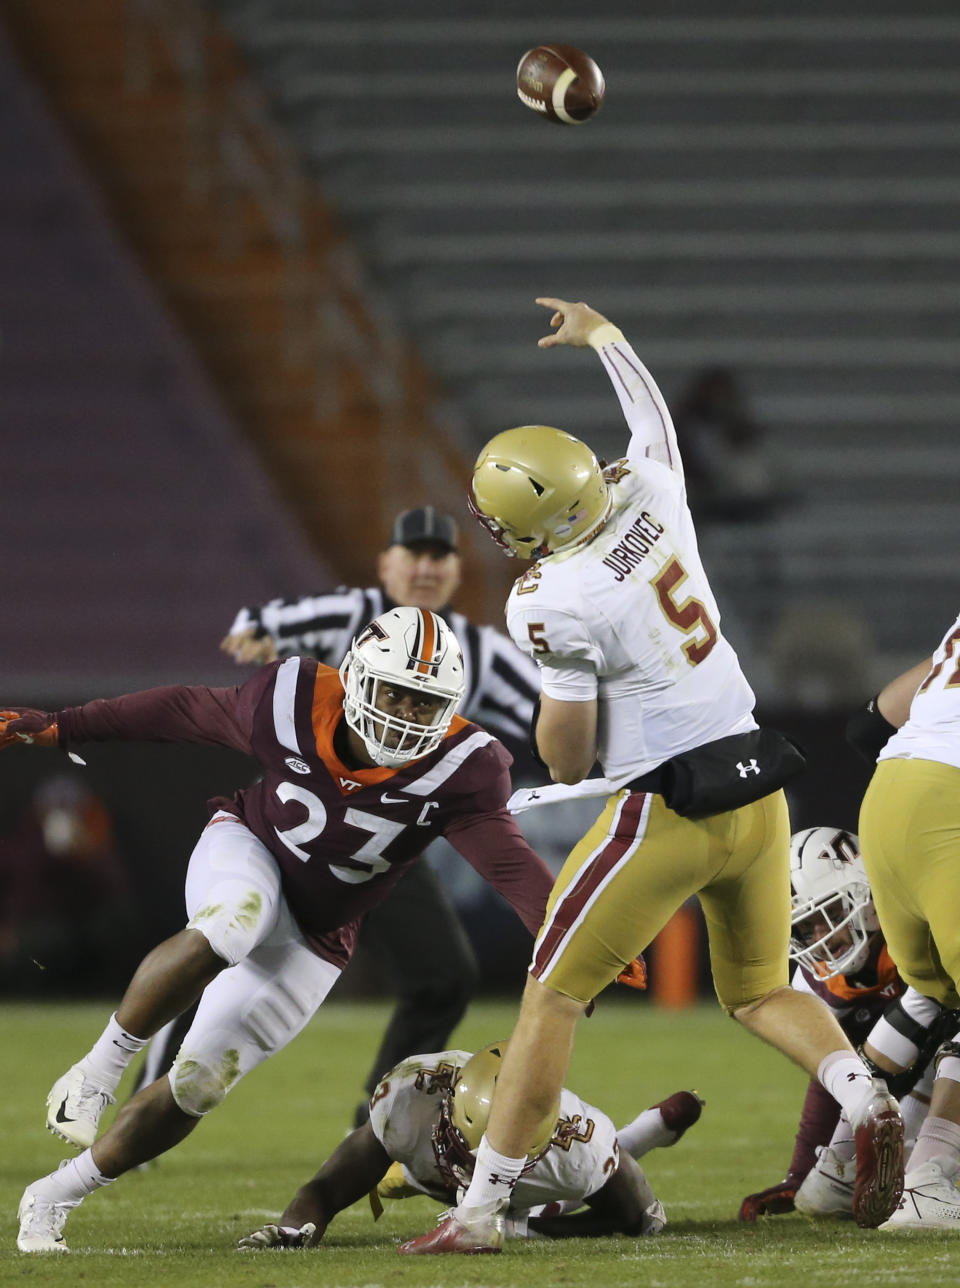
<point x="561" y="83"/>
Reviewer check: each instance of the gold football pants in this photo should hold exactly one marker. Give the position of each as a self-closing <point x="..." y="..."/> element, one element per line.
<point x="639" y="862"/>
<point x="910" y="838"/>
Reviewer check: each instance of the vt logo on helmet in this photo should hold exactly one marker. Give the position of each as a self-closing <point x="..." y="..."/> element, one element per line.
<point x="538" y="490"/>
<point x="402" y="679"/>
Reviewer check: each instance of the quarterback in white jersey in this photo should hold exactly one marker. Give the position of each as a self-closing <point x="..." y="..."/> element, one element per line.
<point x="910" y="838"/>
<point x="635" y="674"/>
<point x="632" y="621"/>
<point x="426" y="1118"/>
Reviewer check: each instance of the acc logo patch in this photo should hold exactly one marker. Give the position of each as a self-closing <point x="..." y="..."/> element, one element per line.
<point x="298" y="766"/>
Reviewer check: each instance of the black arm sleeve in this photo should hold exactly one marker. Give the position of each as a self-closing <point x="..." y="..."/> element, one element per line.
<point x="868" y="730"/>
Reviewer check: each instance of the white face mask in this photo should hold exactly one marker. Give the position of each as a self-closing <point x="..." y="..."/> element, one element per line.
<point x="411" y="652"/>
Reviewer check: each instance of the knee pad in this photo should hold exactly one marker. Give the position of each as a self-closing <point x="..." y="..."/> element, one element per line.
<point x="232" y="921"/>
<point x="277" y="1014"/>
<point x="898" y="1084"/>
<point x="198" y="1087"/>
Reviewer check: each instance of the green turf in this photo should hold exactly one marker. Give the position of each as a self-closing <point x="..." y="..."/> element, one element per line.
<point x="177" y="1223"/>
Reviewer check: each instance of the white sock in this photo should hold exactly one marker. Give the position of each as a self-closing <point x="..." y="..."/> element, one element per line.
<point x="647" y="1131"/>
<point x="937" y="1136"/>
<point x="914" y="1110"/>
<point x="494" y="1176"/>
<point x="107" y="1060"/>
<point x="846" y="1077"/>
<point x="74" y="1180"/>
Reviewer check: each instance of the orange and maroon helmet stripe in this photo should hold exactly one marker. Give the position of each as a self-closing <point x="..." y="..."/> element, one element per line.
<point x="423" y="657"/>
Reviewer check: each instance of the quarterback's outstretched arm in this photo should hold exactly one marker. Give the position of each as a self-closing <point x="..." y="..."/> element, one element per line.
<point x="652" y="435"/>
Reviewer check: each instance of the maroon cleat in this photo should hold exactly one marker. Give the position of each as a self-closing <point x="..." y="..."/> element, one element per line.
<point x="453" y="1235"/>
<point x="680" y="1111"/>
<point x="878" y="1131"/>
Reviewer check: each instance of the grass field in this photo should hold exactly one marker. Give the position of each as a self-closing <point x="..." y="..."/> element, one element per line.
<point x="177" y="1223"/>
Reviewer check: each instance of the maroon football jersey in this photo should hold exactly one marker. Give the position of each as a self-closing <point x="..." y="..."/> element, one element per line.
<point x="340" y="836"/>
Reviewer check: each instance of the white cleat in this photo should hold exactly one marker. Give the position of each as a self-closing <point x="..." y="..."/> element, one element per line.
<point x="75" y="1106"/>
<point x="827" y="1189"/>
<point x="931" y="1199"/>
<point x="41" y="1222"/>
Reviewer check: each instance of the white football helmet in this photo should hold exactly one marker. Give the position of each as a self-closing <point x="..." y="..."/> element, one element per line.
<point x="833" y="917"/>
<point x="411" y="648"/>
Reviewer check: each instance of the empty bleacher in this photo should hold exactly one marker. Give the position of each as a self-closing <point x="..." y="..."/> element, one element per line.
<point x="134" y="520"/>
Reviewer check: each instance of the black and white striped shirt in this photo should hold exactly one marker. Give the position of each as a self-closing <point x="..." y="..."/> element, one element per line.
<point x="501" y="682"/>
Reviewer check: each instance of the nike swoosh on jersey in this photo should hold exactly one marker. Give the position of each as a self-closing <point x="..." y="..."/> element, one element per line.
<point x="394" y="800"/>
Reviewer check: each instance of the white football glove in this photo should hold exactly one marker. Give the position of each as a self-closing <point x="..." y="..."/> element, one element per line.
<point x="279" y="1236"/>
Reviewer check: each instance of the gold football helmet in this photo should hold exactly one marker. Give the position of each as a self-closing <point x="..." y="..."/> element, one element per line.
<point x="538" y="490"/>
<point x="472" y="1095"/>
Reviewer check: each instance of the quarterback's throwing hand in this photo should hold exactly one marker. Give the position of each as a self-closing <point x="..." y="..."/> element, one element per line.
<point x="27" y="725"/>
<point x="573" y="323"/>
<point x="279" y="1236"/>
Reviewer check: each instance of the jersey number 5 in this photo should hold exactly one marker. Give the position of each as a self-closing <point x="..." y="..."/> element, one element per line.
<point x="687" y="615"/>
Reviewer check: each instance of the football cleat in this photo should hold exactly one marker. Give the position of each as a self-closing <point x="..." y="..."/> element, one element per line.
<point x="931" y="1199"/>
<point x="680" y="1111"/>
<point x="74" y="1108"/>
<point x="453" y="1234"/>
<point x="41" y="1222"/>
<point x="827" y="1189"/>
<point x="878" y="1131"/>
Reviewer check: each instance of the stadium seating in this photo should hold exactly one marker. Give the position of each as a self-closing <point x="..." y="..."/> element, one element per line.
<point x="134" y="521"/>
<point x="771" y="189"/>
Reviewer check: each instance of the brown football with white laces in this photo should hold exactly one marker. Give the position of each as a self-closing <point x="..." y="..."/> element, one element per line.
<point x="560" y="83"/>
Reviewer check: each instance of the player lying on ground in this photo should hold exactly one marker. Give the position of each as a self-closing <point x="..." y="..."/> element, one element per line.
<point x="426" y="1120"/>
<point x="841" y="957"/>
<point x="361" y="769"/>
